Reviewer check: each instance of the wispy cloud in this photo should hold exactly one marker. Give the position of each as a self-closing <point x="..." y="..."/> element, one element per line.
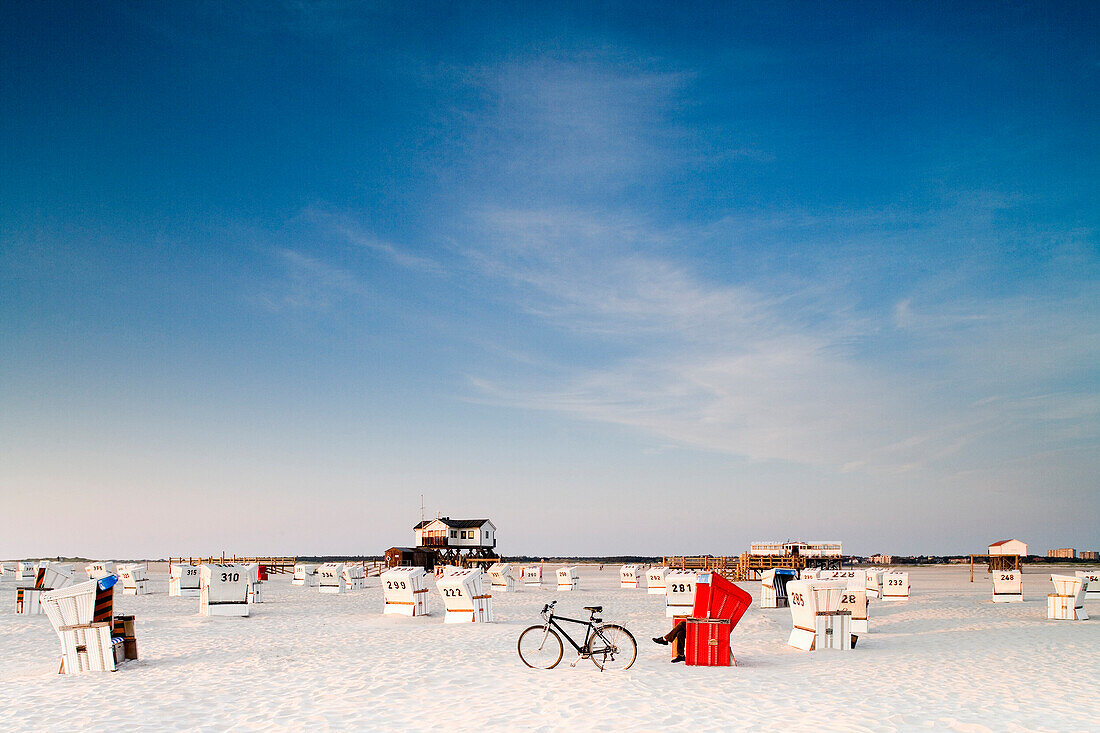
<point x="762" y="374"/>
<point x="305" y="282"/>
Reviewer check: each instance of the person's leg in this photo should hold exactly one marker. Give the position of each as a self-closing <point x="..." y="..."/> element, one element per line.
<point x="678" y="638"/>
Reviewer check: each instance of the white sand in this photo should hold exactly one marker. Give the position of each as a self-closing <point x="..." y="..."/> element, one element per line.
<point x="947" y="659"/>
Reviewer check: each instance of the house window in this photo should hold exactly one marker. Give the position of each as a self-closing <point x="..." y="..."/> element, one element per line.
<point x="453" y="533"/>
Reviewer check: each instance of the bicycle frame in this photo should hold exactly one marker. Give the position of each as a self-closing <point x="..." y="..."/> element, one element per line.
<point x="590" y="627"/>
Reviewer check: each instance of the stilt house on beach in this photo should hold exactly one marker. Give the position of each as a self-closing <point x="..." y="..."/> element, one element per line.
<point x="446" y="541"/>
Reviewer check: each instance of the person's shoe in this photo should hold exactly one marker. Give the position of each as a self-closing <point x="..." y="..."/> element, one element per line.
<point x="678" y="659"/>
<point x="660" y="640"/>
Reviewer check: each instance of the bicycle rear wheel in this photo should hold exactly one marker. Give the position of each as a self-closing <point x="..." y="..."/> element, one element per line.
<point x="613" y="647"/>
<point x="539" y="647"/>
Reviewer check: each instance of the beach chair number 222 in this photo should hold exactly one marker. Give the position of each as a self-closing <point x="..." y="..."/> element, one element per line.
<point x="452" y="592"/>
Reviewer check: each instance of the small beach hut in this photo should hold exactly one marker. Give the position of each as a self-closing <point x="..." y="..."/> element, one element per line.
<point x="305" y="575"/>
<point x="1092" y="583"/>
<point x="816" y="616"/>
<point x="500" y="578"/>
<point x="224" y="590"/>
<point x="133" y="580"/>
<point x="1008" y="586"/>
<point x="655" y="580"/>
<point x="895" y="586"/>
<point x="680" y="593"/>
<point x="532" y="576"/>
<point x="404" y="592"/>
<point x="1067" y="602"/>
<point x="184" y="581"/>
<point x="773" y="586"/>
<point x="567" y="578"/>
<point x="628" y="576"/>
<point x="330" y="578"/>
<point x="465" y="597"/>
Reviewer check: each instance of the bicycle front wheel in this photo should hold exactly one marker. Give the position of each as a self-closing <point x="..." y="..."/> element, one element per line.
<point x="613" y="647"/>
<point x="540" y="647"/>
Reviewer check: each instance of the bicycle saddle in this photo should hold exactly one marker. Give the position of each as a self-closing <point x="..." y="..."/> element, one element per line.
<point x="594" y="609"/>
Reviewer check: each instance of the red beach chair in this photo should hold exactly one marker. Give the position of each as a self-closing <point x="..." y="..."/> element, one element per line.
<point x="719" y="605"/>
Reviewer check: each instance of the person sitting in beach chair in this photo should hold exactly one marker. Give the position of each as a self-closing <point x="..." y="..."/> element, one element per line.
<point x="676" y="637"/>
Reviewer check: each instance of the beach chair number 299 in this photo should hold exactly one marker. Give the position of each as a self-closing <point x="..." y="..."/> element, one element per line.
<point x="230" y="577"/>
<point x="395" y="585"/>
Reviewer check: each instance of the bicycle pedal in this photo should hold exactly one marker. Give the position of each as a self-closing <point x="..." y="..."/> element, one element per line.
<point x="574" y="664"/>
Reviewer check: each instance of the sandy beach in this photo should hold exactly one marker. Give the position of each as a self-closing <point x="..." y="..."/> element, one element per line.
<point x="947" y="659"/>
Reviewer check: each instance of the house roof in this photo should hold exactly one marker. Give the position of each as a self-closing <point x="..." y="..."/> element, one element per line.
<point x="454" y="523"/>
<point x="1003" y="542"/>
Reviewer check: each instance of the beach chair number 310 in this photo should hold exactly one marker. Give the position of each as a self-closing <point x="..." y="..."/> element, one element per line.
<point x="231" y="577"/>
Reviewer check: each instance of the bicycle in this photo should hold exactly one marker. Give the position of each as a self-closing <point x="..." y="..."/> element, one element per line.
<point x="609" y="646"/>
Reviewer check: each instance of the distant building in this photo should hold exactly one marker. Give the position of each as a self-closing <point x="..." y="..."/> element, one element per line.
<point x="462" y="534"/>
<point x="881" y="559"/>
<point x="1063" y="552"/>
<point x="1008" y="547"/>
<point x="803" y="549"/>
<point x="1089" y="555"/>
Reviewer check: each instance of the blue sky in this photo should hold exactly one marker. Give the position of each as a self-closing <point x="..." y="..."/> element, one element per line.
<point x="629" y="279"/>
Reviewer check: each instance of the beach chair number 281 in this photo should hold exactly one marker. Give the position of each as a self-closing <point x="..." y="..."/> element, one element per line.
<point x="681" y="587"/>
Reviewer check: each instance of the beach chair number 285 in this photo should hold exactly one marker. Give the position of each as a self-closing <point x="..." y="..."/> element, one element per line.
<point x="797" y="600"/>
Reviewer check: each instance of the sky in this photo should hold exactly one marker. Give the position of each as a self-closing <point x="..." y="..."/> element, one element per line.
<point x="624" y="278"/>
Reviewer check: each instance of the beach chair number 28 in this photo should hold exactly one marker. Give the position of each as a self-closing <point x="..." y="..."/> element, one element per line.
<point x="231" y="577"/>
<point x="395" y="585"/>
<point x="847" y="599"/>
